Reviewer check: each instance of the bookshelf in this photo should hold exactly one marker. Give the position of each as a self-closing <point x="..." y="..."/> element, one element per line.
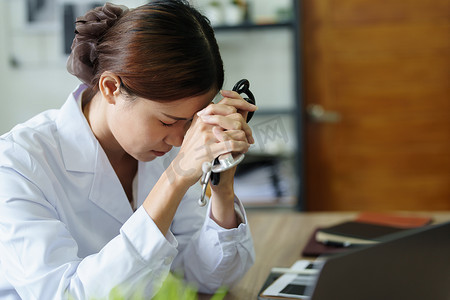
<point x="276" y="83"/>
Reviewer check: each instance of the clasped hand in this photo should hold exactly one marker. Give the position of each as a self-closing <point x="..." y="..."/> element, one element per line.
<point x="215" y="130"/>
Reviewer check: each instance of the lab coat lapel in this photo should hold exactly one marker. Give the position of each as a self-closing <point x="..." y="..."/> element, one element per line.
<point x="82" y="153"/>
<point x="107" y="192"/>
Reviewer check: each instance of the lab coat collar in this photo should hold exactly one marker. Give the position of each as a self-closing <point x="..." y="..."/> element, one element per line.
<point x="77" y="141"/>
<point x="82" y="152"/>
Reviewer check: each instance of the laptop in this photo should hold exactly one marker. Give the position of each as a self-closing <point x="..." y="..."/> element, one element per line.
<point x="412" y="265"/>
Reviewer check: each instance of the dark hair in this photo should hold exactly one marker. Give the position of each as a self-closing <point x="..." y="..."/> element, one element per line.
<point x="163" y="50"/>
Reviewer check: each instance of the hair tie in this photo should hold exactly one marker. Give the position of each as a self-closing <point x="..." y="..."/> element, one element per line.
<point x="88" y="30"/>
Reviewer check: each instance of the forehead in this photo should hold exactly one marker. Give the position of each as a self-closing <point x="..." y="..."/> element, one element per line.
<point x="185" y="107"/>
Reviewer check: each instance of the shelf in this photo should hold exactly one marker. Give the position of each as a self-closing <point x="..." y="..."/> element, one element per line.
<point x="253" y="26"/>
<point x="271" y="112"/>
<point x="287" y="30"/>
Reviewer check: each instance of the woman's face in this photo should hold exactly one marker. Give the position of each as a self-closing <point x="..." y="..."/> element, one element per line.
<point x="146" y="129"/>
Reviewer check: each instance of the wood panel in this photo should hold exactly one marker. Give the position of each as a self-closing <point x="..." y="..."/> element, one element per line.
<point x="385" y="67"/>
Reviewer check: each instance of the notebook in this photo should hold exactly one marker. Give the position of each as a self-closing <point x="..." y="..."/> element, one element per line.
<point x="371" y="220"/>
<point x="315" y="248"/>
<point x="355" y="233"/>
<point x="414" y="264"/>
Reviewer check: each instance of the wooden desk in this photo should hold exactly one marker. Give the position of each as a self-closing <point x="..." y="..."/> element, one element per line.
<point x="279" y="237"/>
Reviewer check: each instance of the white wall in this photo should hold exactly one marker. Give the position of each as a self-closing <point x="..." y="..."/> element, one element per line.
<point x="28" y="89"/>
<point x="41" y="81"/>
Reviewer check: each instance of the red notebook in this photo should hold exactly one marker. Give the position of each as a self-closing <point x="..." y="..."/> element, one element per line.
<point x="393" y="219"/>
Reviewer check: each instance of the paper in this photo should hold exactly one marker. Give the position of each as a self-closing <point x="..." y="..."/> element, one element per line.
<point x="292" y="285"/>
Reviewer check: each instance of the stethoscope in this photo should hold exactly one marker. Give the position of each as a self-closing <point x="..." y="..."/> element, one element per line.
<point x="211" y="170"/>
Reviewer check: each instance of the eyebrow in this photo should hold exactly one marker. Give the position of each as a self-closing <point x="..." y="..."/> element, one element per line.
<point x="176" y="118"/>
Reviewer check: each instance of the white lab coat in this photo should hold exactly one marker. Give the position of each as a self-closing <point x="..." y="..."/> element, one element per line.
<point x="66" y="226"/>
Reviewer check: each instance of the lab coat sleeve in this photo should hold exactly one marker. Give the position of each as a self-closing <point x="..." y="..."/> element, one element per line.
<point x="39" y="256"/>
<point x="214" y="257"/>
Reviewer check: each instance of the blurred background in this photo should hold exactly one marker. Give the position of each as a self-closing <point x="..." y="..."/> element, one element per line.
<point x="353" y="95"/>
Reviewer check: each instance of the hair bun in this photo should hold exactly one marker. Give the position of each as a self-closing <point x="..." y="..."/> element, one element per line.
<point x="88" y="30"/>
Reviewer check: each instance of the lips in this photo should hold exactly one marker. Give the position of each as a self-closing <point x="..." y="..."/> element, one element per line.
<point x="159" y="153"/>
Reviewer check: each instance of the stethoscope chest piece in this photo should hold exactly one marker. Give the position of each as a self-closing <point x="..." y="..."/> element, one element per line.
<point x="210" y="169"/>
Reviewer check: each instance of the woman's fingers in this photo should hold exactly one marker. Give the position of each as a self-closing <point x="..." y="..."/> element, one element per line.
<point x="214" y="140"/>
<point x="227" y="124"/>
<point x="228" y="105"/>
<point x="240" y="104"/>
<point x="222" y="135"/>
<point x="223" y="121"/>
<point x="204" y="142"/>
<point x="230" y="122"/>
<point x="228" y="146"/>
<point x="217" y="109"/>
<point x="230" y="98"/>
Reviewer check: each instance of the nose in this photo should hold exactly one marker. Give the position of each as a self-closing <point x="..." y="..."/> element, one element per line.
<point x="175" y="136"/>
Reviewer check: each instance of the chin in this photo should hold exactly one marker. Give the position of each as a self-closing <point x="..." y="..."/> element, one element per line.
<point x="145" y="157"/>
<point x="148" y="159"/>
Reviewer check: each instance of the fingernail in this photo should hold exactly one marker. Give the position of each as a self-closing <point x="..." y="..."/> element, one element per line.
<point x="205" y="117"/>
<point x="201" y="112"/>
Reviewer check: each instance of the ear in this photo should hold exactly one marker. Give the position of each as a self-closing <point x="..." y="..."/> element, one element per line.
<point x="109" y="86"/>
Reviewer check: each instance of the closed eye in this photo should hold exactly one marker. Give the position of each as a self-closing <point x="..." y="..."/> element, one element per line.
<point x="166" y="124"/>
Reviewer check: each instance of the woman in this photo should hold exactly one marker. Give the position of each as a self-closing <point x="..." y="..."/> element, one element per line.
<point x="95" y="196"/>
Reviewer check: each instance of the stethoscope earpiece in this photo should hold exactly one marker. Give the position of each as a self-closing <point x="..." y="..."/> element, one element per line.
<point x="243" y="87"/>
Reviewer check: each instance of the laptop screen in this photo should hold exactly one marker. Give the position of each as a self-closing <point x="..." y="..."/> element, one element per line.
<point x="414" y="266"/>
